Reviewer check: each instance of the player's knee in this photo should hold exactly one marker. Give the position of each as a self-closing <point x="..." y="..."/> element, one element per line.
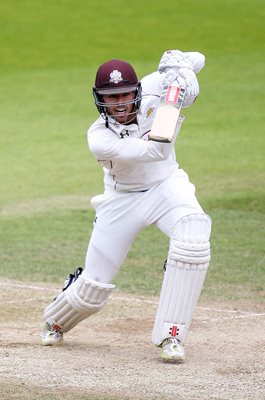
<point x="190" y="239"/>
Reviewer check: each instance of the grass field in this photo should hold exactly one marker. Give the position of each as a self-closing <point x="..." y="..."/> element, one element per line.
<point x="49" y="53"/>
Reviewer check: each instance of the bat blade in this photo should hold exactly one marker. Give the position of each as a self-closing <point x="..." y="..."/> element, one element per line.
<point x="167" y="114"/>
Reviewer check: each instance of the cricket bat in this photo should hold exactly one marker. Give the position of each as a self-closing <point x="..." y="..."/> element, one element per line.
<point x="167" y="114"/>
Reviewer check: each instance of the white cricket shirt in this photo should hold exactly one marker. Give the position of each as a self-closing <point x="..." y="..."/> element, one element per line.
<point x="130" y="162"/>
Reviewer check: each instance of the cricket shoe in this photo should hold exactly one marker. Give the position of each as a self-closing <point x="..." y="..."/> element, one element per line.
<point x="51" y="335"/>
<point x="172" y="350"/>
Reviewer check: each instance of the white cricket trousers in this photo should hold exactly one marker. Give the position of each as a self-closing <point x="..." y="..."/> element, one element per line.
<point x="120" y="219"/>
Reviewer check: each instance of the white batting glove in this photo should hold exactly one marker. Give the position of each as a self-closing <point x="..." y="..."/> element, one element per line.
<point x="192" y="86"/>
<point x="176" y="59"/>
<point x="173" y="59"/>
<point x="187" y="79"/>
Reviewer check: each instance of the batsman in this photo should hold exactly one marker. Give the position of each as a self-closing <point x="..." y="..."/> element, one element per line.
<point x="143" y="185"/>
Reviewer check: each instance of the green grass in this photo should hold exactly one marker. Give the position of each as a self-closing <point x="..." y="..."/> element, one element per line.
<point x="46" y="246"/>
<point x="49" y="52"/>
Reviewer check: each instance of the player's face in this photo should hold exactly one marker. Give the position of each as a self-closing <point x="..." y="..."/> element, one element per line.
<point x="120" y="106"/>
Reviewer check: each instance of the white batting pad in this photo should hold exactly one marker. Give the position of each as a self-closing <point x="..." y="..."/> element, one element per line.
<point x="82" y="299"/>
<point x="187" y="265"/>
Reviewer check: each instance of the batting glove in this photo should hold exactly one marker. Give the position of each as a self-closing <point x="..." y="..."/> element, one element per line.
<point x="187" y="79"/>
<point x="176" y="59"/>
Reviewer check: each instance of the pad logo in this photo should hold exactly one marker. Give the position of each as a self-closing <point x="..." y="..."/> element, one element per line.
<point x="174" y="331"/>
<point x="115" y="76"/>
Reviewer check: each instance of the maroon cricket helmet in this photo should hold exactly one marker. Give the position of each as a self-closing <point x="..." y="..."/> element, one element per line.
<point x="116" y="76"/>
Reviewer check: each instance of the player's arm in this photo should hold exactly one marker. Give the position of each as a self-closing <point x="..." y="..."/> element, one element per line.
<point x="152" y="84"/>
<point x="107" y="146"/>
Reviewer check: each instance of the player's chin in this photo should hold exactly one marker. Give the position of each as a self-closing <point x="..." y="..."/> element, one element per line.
<point x="121" y="118"/>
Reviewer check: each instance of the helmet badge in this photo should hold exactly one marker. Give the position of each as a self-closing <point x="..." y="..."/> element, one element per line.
<point x="115" y="76"/>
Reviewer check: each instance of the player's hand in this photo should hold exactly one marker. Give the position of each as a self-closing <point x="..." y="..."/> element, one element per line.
<point x="185" y="78"/>
<point x="176" y="59"/>
<point x="188" y="80"/>
<point x="173" y="59"/>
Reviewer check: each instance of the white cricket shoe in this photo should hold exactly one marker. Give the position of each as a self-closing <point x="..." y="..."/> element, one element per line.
<point x="51" y="335"/>
<point x="172" y="350"/>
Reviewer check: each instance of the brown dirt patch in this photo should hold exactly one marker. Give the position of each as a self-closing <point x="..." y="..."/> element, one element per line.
<point x="110" y="354"/>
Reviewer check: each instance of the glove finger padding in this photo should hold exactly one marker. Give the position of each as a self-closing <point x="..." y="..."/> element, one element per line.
<point x="191" y="86"/>
<point x="169" y="77"/>
<point x="174" y="59"/>
<point x="186" y="79"/>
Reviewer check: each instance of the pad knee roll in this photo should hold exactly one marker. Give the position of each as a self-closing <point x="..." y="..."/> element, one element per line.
<point x="190" y="239"/>
<point x="186" y="268"/>
<point x="82" y="299"/>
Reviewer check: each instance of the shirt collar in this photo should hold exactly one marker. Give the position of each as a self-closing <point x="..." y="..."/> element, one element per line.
<point x="118" y="128"/>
